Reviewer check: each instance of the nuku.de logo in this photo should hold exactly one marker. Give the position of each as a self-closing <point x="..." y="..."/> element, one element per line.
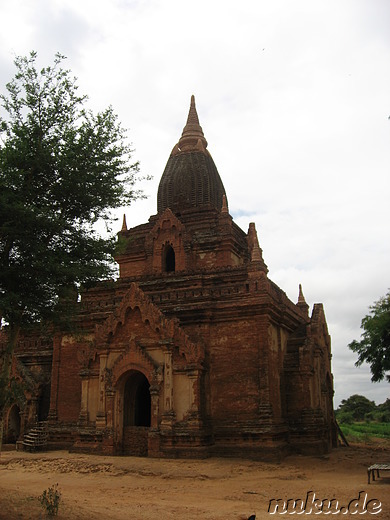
<point x="313" y="505"/>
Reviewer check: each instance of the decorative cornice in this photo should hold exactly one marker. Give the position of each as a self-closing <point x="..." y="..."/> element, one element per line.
<point x="168" y="329"/>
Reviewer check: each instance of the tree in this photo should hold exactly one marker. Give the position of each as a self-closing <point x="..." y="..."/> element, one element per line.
<point x="374" y="347"/>
<point x="62" y="170"/>
<point x="355" y="407"/>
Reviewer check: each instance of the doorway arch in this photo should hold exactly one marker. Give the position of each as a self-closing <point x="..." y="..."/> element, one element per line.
<point x="136" y="400"/>
<point x="13" y="430"/>
<point x="168" y="259"/>
<point x="136" y="414"/>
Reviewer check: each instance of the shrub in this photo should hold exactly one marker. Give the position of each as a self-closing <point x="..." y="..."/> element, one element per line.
<point x="345" y="417"/>
<point x="50" y="500"/>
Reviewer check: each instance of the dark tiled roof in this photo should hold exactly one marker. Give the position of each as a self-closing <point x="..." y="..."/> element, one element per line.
<point x="190" y="178"/>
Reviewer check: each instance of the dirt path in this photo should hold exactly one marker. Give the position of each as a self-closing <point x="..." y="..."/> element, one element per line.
<point x="124" y="488"/>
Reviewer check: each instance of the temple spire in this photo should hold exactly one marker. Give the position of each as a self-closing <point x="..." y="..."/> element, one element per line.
<point x="193" y="118"/>
<point x="192" y="138"/>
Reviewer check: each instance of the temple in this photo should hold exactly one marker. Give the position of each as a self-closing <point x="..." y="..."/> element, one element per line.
<point x="193" y="351"/>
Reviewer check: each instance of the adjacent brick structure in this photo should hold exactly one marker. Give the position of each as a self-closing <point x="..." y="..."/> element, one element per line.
<point x="193" y="351"/>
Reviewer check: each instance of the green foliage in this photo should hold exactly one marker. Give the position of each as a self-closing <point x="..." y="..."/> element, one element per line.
<point x="374" y="347"/>
<point x="358" y="408"/>
<point x="383" y="412"/>
<point x="50" y="500"/>
<point x="364" y="432"/>
<point x="344" y="417"/>
<point x="355" y="407"/>
<point x="12" y="391"/>
<point x="62" y="169"/>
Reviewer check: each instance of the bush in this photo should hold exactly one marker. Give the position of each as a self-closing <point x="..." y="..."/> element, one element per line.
<point x="50" y="500"/>
<point x="345" y="417"/>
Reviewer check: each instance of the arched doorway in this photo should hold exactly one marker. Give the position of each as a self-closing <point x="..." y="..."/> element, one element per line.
<point x="168" y="259"/>
<point x="136" y="414"/>
<point x="44" y="402"/>
<point x="13" y="430"/>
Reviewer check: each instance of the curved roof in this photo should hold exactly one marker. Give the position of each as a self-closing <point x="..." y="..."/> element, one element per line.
<point x="190" y="178"/>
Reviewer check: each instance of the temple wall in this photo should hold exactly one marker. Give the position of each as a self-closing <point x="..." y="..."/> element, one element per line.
<point x="234" y="374"/>
<point x="93" y="398"/>
<point x="69" y="383"/>
<point x="181" y="395"/>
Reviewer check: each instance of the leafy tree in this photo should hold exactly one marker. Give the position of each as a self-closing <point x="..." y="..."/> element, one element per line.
<point x="374" y="347"/>
<point x="383" y="411"/>
<point x="356" y="406"/>
<point x="62" y="170"/>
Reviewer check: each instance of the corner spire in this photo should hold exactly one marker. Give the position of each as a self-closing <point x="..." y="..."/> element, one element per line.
<point x="256" y="253"/>
<point x="224" y="208"/>
<point x="124" y="224"/>
<point x="192" y="138"/>
<point x="302" y="302"/>
<point x="301" y="298"/>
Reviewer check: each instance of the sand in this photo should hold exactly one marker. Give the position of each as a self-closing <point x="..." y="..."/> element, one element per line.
<point x="120" y="488"/>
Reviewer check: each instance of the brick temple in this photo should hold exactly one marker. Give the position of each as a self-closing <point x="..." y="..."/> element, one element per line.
<point x="193" y="351"/>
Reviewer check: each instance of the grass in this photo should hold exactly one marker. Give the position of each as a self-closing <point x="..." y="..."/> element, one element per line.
<point x="361" y="431"/>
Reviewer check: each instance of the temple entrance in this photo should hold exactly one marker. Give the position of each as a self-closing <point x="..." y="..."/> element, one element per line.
<point x="168" y="259"/>
<point x="44" y="402"/>
<point x="13" y="424"/>
<point x="136" y="414"/>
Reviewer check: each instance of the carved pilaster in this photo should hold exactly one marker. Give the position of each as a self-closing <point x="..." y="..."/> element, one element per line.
<point x="55" y="374"/>
<point x="110" y="404"/>
<point x="155" y="405"/>
<point x="168" y="382"/>
<point x="84" y="416"/>
<point x="101" y="413"/>
<point x="194" y="417"/>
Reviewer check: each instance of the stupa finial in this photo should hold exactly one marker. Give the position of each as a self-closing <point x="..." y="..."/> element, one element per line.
<point x="192" y="132"/>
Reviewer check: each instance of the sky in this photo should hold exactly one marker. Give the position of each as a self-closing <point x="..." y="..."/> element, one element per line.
<point x="294" y="101"/>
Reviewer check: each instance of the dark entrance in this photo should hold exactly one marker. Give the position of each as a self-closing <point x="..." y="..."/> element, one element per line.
<point x="136" y="414"/>
<point x="168" y="259"/>
<point x="44" y="402"/>
<point x="13" y="424"/>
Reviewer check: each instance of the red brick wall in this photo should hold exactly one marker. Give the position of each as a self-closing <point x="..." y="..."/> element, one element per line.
<point x="234" y="371"/>
<point x="69" y="385"/>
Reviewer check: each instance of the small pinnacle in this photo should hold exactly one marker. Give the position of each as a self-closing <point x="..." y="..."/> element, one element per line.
<point x="254" y="247"/>
<point x="124" y="225"/>
<point x="199" y="146"/>
<point x="301" y="298"/>
<point x="224" y="208"/>
<point x="302" y="302"/>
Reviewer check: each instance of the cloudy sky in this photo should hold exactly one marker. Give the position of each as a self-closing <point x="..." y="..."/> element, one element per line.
<point x="294" y="100"/>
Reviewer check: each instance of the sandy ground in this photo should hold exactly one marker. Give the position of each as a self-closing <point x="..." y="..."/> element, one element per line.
<point x="134" y="488"/>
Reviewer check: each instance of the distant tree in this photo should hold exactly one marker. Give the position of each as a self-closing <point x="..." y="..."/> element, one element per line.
<point x="383" y="411"/>
<point x="62" y="169"/>
<point x="355" y="407"/>
<point x="374" y="347"/>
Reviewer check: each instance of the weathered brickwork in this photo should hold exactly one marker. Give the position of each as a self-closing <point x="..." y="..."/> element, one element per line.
<point x="193" y="351"/>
